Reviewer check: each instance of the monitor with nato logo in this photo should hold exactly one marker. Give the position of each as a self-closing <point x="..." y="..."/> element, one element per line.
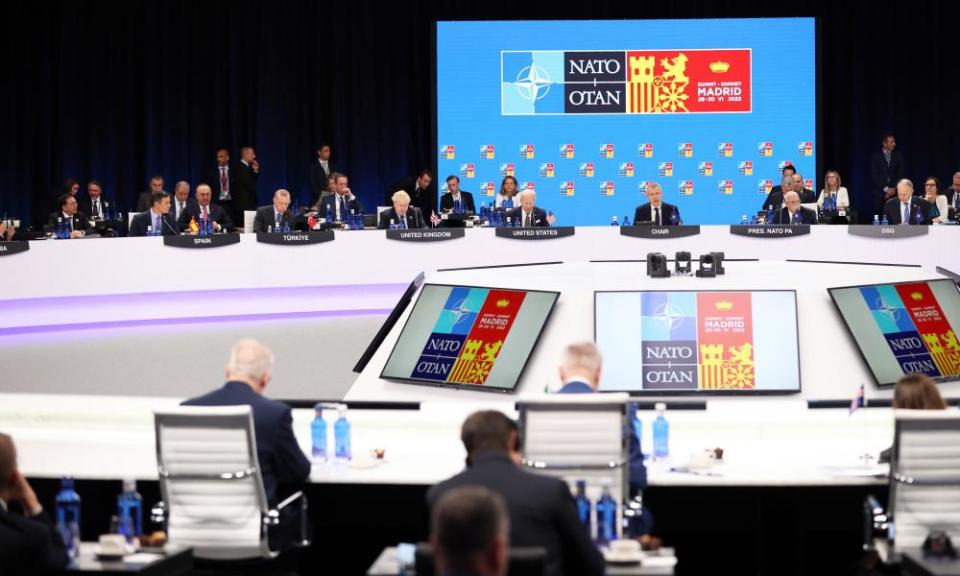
<point x="903" y="328"/>
<point x="716" y="342"/>
<point x="589" y="114"/>
<point x="469" y="337"/>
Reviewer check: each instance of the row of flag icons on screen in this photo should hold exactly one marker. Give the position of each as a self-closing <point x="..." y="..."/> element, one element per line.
<point x="608" y="187"/>
<point x="608" y="151"/>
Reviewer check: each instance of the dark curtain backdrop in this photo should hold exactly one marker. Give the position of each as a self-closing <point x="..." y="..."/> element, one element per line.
<point x="121" y="91"/>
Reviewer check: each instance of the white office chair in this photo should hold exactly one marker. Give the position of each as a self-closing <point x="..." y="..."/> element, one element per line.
<point x="812" y="206"/>
<point x="248" y="218"/>
<point x="130" y="217"/>
<point x="211" y="485"/>
<point x="579" y="437"/>
<point x="925" y="476"/>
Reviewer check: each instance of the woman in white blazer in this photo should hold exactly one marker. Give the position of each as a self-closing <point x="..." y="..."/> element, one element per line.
<point x="832" y="187"/>
<point x="931" y="193"/>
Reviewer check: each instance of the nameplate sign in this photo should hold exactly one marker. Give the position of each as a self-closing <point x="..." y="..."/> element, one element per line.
<point x="893" y="231"/>
<point x="11" y="248"/>
<point x="774" y="231"/>
<point x="295" y="238"/>
<point x="214" y="241"/>
<point x="437" y="235"/>
<point x="657" y="232"/>
<point x="536" y="233"/>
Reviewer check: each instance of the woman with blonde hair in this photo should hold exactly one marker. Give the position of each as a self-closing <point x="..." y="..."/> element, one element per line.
<point x="833" y="190"/>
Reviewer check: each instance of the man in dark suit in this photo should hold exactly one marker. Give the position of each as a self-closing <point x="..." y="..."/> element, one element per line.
<point x="421" y="195"/>
<point x="402" y="214"/>
<point x="916" y="210"/>
<point x="656" y="211"/>
<point x="157" y="218"/>
<point x="320" y="171"/>
<point x="202" y="208"/>
<point x="470" y="532"/>
<point x="580" y="372"/>
<point x="528" y="214"/>
<point x="806" y="195"/>
<point x="249" y="371"/>
<point x="542" y="510"/>
<point x="775" y="197"/>
<point x="29" y="543"/>
<point x="93" y="204"/>
<point x="223" y="181"/>
<point x="78" y="223"/>
<point x="248" y="172"/>
<point x="886" y="169"/>
<point x="341" y="203"/>
<point x="145" y="197"/>
<point x="268" y="218"/>
<point x="454" y="194"/>
<point x="792" y="212"/>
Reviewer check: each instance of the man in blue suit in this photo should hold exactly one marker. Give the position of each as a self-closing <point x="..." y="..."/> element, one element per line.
<point x="580" y="372"/>
<point x="341" y="202"/>
<point x="917" y="210"/>
<point x="249" y="371"/>
<point x="157" y="218"/>
<point x="792" y="212"/>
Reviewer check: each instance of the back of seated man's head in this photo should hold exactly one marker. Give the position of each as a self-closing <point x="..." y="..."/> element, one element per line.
<point x="8" y="462"/>
<point x="488" y="431"/>
<point x="252" y="363"/>
<point x="581" y="361"/>
<point x="470" y="532"/>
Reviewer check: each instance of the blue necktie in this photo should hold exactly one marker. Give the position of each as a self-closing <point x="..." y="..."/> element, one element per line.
<point x="343" y="208"/>
<point x="156" y="226"/>
<point x="403" y="222"/>
<point x="906" y="214"/>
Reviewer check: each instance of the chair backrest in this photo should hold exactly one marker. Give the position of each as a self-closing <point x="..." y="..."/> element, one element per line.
<point x="579" y="437"/>
<point x="210" y="480"/>
<point x="812" y="206"/>
<point x="130" y="217"/>
<point x="925" y="475"/>
<point x="248" y="217"/>
<point x="523" y="561"/>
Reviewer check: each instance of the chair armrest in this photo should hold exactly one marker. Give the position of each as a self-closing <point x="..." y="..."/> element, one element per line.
<point x="875" y="522"/>
<point x="272" y="517"/>
<point x="158" y="514"/>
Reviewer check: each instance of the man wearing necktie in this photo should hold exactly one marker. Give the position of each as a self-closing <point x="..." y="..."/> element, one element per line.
<point x="320" y="171"/>
<point x="274" y="216"/>
<point x="886" y="170"/>
<point x="342" y="202"/>
<point x="656" y="212"/>
<point x="402" y="214"/>
<point x="155" y="220"/>
<point x="68" y="213"/>
<point x="201" y="208"/>
<point x="448" y="201"/>
<point x="181" y="199"/>
<point x="528" y="215"/>
<point x="905" y="208"/>
<point x="93" y="204"/>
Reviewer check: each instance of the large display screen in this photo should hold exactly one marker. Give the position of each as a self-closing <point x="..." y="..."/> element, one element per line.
<point x="714" y="342"/>
<point x="904" y="328"/>
<point x="469" y="337"/>
<point x="588" y="113"/>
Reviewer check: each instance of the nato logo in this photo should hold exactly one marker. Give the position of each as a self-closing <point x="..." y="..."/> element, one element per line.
<point x="531" y="83"/>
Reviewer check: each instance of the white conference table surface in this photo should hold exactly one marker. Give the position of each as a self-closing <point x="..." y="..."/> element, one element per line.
<point x="358" y="258"/>
<point x="773" y="442"/>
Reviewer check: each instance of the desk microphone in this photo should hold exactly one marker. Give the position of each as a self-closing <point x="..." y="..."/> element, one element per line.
<point x="164" y="220"/>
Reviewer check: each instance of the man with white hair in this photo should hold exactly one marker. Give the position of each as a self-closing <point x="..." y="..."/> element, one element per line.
<point x="248" y="373"/>
<point x="528" y="214"/>
<point x="580" y="371"/>
<point x="181" y="200"/>
<point x="273" y="216"/>
<point x="655" y="211"/>
<point x="905" y="208"/>
<point x="792" y="212"/>
<point x="402" y="215"/>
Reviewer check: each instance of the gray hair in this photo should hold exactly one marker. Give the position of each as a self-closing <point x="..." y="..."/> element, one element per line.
<point x="651" y="185"/>
<point x="787" y="195"/>
<point x="182" y="184"/>
<point x="282" y="194"/>
<point x="400" y="196"/>
<point x="583" y="356"/>
<point x="528" y="192"/>
<point x="906" y="182"/>
<point x="250" y="358"/>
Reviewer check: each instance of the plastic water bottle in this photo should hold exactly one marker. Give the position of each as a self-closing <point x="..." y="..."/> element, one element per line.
<point x="68" y="516"/>
<point x="318" y="433"/>
<point x="626" y="221"/>
<point x="876" y="220"/>
<point x="769" y="214"/>
<point x="743" y="219"/>
<point x="130" y="511"/>
<point x="661" y="434"/>
<point x="613" y="221"/>
<point x="754" y="220"/>
<point x="583" y="504"/>
<point x="885" y="220"/>
<point x="341" y="434"/>
<point x="606" y="517"/>
<point x="638" y="430"/>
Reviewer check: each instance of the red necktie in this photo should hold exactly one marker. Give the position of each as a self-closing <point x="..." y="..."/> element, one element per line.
<point x="224" y="186"/>
<point x="205" y="214"/>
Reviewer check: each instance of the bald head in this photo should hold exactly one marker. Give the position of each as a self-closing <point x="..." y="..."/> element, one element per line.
<point x="250" y="362"/>
<point x="8" y="461"/>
